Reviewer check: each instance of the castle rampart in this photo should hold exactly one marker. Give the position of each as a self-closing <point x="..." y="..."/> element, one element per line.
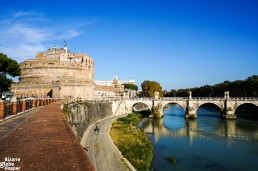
<point x="57" y="73"/>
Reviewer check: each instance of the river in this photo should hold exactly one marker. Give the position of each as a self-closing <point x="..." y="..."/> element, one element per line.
<point x="208" y="143"/>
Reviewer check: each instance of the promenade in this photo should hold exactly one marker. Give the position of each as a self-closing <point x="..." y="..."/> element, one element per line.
<point x="8" y="124"/>
<point x="102" y="151"/>
<point x="41" y="140"/>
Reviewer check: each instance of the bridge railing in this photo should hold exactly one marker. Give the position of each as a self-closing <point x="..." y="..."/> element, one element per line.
<point x="193" y="98"/>
<point x="141" y="99"/>
<point x="208" y="98"/>
<point x="211" y="98"/>
<point x="163" y="99"/>
<point x="243" y="98"/>
<point x="174" y="98"/>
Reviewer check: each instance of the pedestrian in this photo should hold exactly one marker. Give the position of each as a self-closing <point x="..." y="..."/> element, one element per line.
<point x="87" y="147"/>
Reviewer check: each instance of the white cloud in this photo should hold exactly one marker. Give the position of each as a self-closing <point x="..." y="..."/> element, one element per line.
<point x="24" y="13"/>
<point x="24" y="33"/>
<point x="68" y="34"/>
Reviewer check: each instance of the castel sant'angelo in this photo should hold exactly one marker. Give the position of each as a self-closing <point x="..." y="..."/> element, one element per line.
<point x="59" y="73"/>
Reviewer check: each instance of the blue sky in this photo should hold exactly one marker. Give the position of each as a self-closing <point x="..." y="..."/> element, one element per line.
<point x="178" y="43"/>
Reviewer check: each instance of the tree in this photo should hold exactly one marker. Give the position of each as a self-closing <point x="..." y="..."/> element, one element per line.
<point x="10" y="67"/>
<point x="149" y="88"/>
<point x="252" y="83"/>
<point x="173" y="92"/>
<point x="238" y="88"/>
<point x="130" y="86"/>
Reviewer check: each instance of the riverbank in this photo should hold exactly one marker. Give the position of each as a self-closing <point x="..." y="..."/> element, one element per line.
<point x="132" y="141"/>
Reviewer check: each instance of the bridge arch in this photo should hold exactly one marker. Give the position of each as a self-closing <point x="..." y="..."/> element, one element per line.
<point x="210" y="102"/>
<point x="217" y="106"/>
<point x="131" y="106"/>
<point x="252" y="105"/>
<point x="173" y="102"/>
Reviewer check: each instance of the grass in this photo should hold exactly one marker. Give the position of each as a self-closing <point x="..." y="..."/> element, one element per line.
<point x="132" y="141"/>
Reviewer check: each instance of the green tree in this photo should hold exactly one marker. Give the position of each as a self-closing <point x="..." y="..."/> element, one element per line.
<point x="252" y="85"/>
<point x="10" y="67"/>
<point x="149" y="88"/>
<point x="238" y="88"/>
<point x="130" y="86"/>
<point x="173" y="92"/>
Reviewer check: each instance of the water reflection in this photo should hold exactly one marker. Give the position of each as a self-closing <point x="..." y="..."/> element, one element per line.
<point x="237" y="138"/>
<point x="177" y="125"/>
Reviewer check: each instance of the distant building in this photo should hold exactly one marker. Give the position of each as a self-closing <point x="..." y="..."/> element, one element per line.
<point x="110" y="82"/>
<point x="60" y="73"/>
<point x="110" y="88"/>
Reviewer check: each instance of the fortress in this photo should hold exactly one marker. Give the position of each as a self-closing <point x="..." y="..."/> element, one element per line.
<point x="59" y="73"/>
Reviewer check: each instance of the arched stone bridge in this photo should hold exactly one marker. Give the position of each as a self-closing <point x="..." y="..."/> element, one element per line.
<point x="227" y="105"/>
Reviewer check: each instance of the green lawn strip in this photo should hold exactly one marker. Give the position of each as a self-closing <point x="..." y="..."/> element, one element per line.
<point x="132" y="141"/>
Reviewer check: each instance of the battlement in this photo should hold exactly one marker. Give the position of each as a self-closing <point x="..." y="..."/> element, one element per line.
<point x="63" y="54"/>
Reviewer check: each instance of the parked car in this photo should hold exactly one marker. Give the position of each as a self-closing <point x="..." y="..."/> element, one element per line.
<point x="7" y="95"/>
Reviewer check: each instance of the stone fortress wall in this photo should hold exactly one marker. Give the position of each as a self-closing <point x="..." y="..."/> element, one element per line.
<point x="59" y="73"/>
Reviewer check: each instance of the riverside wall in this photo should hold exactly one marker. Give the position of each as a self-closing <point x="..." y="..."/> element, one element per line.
<point x="82" y="114"/>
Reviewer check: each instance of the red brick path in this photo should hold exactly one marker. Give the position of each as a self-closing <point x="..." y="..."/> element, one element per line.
<point x="45" y="142"/>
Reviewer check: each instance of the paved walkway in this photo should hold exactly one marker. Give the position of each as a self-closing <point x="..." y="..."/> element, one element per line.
<point x="43" y="141"/>
<point x="10" y="123"/>
<point x="102" y="152"/>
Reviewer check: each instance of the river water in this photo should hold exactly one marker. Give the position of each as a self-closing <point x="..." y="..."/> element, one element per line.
<point x="208" y="143"/>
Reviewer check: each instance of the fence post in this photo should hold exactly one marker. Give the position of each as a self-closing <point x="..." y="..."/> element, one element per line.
<point x="14" y="112"/>
<point x="23" y="105"/>
<point x="37" y="103"/>
<point x="1" y="109"/>
<point x="33" y="103"/>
